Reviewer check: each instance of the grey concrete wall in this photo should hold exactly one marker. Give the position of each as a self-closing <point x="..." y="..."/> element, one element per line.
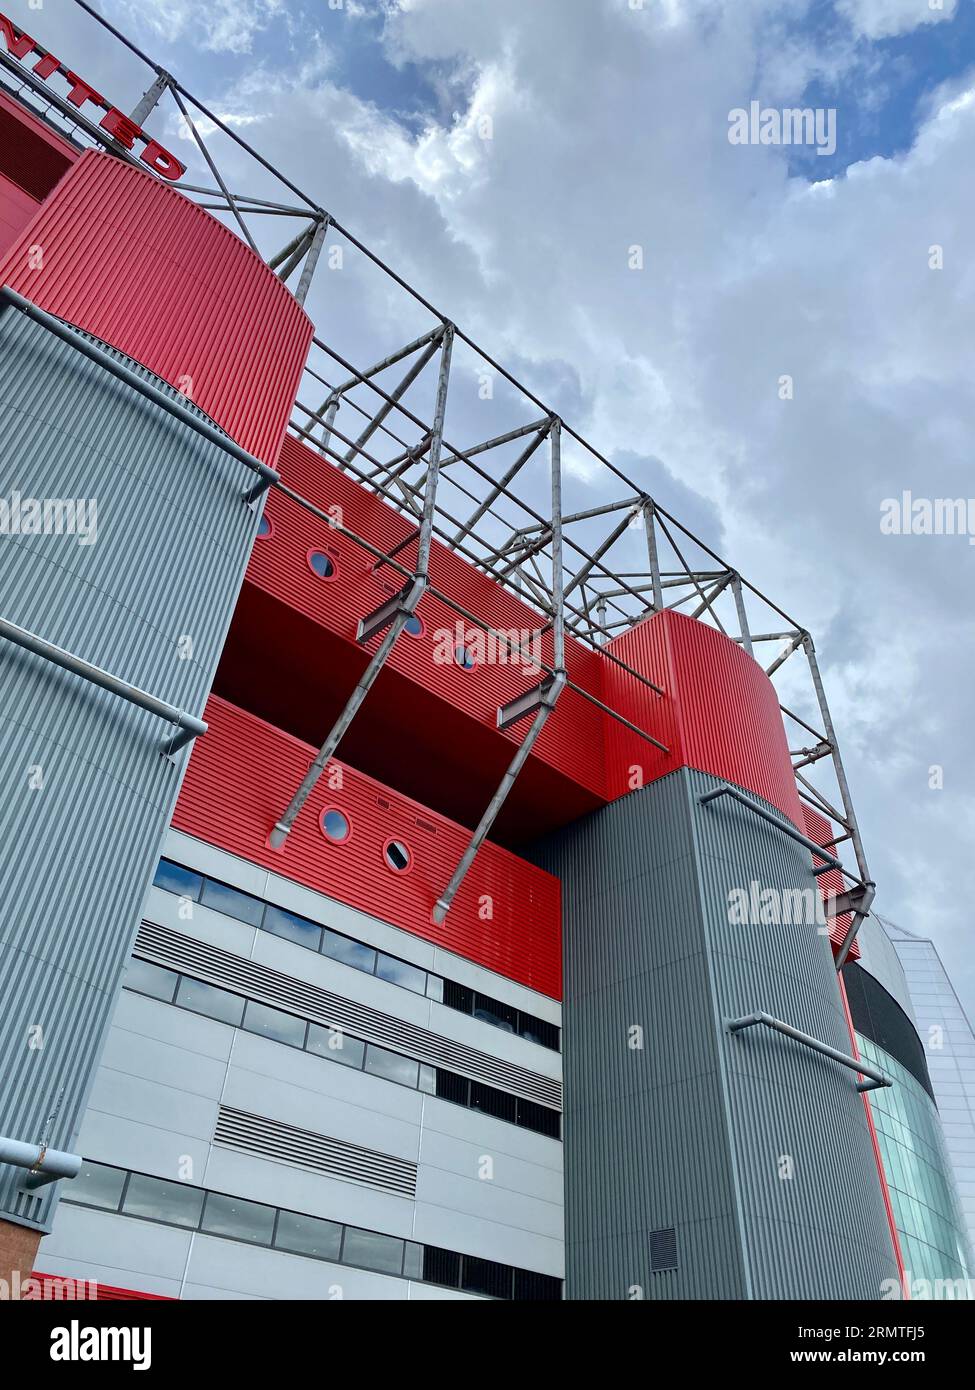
<point x="696" y="1128"/>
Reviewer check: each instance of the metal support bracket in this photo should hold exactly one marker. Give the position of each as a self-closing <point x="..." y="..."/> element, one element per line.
<point x="380" y="618"/>
<point x="189" y="727"/>
<point x="528" y="703"/>
<point x="782" y="825"/>
<point x="877" y="1079"/>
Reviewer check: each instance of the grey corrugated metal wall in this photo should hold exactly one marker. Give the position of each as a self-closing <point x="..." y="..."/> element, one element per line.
<point x="692" y="1130"/>
<point x="77" y="851"/>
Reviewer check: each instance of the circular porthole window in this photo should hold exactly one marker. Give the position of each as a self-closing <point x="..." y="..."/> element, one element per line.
<point x="414" y="626"/>
<point x="265" y="528"/>
<point x="321" y="564"/>
<point x="335" y="826"/>
<point x="397" y="856"/>
<point x="464" y="658"/>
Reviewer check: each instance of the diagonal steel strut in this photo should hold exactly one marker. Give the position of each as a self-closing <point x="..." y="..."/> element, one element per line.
<point x="398" y="616"/>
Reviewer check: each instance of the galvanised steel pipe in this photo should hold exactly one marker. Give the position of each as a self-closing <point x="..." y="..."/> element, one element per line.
<point x="45" y="1165"/>
<point x="790" y="830"/>
<point x="190" y="727"/>
<point x="877" y="1077"/>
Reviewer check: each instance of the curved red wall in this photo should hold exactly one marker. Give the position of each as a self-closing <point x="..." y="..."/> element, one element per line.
<point x="242" y="775"/>
<point x="135" y="263"/>
<point x="720" y="712"/>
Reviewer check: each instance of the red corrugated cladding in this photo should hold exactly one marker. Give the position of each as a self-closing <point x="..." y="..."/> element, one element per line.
<point x="52" y="1287"/>
<point x="720" y="713"/>
<point x="819" y="828"/>
<point x="507" y="915"/>
<point x="32" y="160"/>
<point x="138" y="265"/>
<point x="430" y="718"/>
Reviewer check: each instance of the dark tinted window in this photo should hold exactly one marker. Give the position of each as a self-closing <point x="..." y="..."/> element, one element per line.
<point x="537" y="1030"/>
<point x="399" y="973"/>
<point x="163" y="1201"/>
<point x="175" y="879"/>
<point x="451" y="1087"/>
<point x="493" y="1011"/>
<point x="458" y="997"/>
<point x="223" y="898"/>
<point x="97" y="1185"/>
<point x="292" y="927"/>
<point x="441" y="1266"/>
<point x="321" y="564"/>
<point x="207" y="999"/>
<point x="537" y="1287"/>
<point x="492" y="1102"/>
<point x="348" y="952"/>
<point x="486" y="1277"/>
<point x="539" y="1118"/>
<point x="307" y="1235"/>
<point x="150" y="979"/>
<point x="232" y="1216"/>
<point x="397" y="856"/>
<point x="336" y="1045"/>
<point x="272" y="1023"/>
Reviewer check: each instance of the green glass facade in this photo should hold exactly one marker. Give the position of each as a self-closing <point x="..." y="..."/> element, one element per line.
<point x="933" y="1236"/>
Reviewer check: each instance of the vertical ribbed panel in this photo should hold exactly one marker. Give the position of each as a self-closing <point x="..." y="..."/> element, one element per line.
<point x="241" y="777"/>
<point x="832" y="882"/>
<point x="693" y="1129"/>
<point x="149" y="601"/>
<point x="720" y="712"/>
<point x="140" y="266"/>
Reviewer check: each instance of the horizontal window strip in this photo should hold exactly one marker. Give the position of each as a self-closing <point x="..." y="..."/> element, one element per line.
<point x="179" y="952"/>
<point x="161" y="1201"/>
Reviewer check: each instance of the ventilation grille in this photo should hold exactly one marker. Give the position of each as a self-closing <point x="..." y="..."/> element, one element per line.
<point x="663" y="1250"/>
<point x="27" y="159"/>
<point x="303" y="1148"/>
<point x="258" y="982"/>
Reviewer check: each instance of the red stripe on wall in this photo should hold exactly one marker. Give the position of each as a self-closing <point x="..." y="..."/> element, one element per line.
<point x="832" y="882"/>
<point x="69" y="1288"/>
<point x="506" y="916"/>
<point x="864" y="1096"/>
<point x="135" y="263"/>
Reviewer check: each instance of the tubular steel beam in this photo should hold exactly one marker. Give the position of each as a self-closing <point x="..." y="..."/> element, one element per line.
<point x="43" y="1165"/>
<point x="548" y="700"/>
<point x="189" y="726"/>
<point x="877" y="1080"/>
<point x="782" y="825"/>
<point x="201" y="145"/>
<point x="746" y="637"/>
<point x="311" y="260"/>
<point x="150" y="98"/>
<point x="405" y="607"/>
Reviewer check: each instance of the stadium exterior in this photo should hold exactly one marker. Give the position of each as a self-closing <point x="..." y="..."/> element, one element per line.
<point x="411" y="888"/>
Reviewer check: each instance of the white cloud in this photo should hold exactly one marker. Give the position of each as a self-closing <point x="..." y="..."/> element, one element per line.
<point x="877" y="19"/>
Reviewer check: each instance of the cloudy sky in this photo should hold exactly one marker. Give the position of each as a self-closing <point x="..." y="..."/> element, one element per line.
<point x="609" y="125"/>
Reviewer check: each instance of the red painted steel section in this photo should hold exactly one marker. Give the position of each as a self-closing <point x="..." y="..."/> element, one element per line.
<point x="32" y="160"/>
<point x="819" y="828"/>
<point x="141" y="267"/>
<point x="878" y="1157"/>
<point x="427" y="715"/>
<point x="52" y="1288"/>
<point x="506" y="917"/>
<point x="720" y="713"/>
